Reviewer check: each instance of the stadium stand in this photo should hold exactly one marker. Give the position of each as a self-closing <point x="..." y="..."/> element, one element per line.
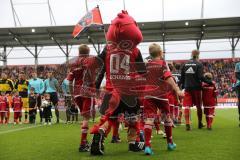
<point x="223" y="72"/>
<point x="222" y="69"/>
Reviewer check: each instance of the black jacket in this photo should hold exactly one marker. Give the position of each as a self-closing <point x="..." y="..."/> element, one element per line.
<point x="177" y="77"/>
<point x="192" y="75"/>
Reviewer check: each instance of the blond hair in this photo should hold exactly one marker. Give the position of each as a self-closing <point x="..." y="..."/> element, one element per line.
<point x="195" y="54"/>
<point x="83" y="49"/>
<point x="208" y="75"/>
<point x="155" y="50"/>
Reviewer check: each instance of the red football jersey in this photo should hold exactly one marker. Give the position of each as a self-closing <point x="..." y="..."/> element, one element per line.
<point x="17" y="103"/>
<point x="209" y="94"/>
<point x="77" y="72"/>
<point x="158" y="72"/>
<point x="158" y="69"/>
<point x="3" y="103"/>
<point x="119" y="64"/>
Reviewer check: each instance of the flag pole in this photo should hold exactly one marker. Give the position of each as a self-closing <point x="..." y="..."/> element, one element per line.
<point x="104" y="31"/>
<point x="90" y="38"/>
<point x="124" y="5"/>
<point x="86" y="4"/>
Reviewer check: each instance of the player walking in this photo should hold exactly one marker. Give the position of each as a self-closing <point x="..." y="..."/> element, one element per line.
<point x="155" y="67"/>
<point x="191" y="80"/>
<point x="209" y="100"/>
<point x="77" y="75"/>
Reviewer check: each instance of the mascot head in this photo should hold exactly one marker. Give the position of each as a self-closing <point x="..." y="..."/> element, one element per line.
<point x="124" y="31"/>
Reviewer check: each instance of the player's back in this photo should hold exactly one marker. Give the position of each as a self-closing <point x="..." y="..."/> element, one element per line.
<point x="120" y="66"/>
<point x="157" y="73"/>
<point x="190" y="72"/>
<point x="157" y="69"/>
<point x="209" y="94"/>
<point x="77" y="70"/>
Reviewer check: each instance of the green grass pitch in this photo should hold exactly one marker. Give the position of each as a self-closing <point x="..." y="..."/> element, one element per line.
<point x="60" y="142"/>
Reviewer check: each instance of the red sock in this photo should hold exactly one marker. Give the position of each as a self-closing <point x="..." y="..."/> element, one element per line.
<point x="206" y="112"/>
<point x="2" y="117"/>
<point x="171" y="111"/>
<point x="157" y="124"/>
<point x="176" y="112"/>
<point x="147" y="134"/>
<point x="212" y="111"/>
<point x="8" y="114"/>
<point x="210" y="121"/>
<point x="7" y="117"/>
<point x="142" y="125"/>
<point x="168" y="130"/>
<point x="115" y="126"/>
<point x="84" y="134"/>
<point x="137" y="127"/>
<point x="187" y="115"/>
<point x="180" y="117"/>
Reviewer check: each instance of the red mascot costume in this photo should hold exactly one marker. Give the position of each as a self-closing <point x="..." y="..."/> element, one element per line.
<point x="120" y="56"/>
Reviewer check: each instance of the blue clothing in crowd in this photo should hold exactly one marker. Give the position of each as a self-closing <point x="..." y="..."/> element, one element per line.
<point x="37" y="84"/>
<point x="65" y="86"/>
<point x="51" y="85"/>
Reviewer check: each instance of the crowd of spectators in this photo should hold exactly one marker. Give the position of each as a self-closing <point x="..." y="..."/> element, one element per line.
<point x="222" y="70"/>
<point x="223" y="73"/>
<point x="60" y="71"/>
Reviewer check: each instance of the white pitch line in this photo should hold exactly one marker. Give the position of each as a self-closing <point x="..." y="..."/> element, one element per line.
<point x="20" y="129"/>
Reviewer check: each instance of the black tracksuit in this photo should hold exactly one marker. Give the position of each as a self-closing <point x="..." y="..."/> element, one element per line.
<point x="192" y="75"/>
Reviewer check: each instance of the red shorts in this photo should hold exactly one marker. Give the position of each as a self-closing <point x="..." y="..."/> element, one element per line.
<point x="192" y="98"/>
<point x="17" y="115"/>
<point x="152" y="105"/>
<point x="84" y="104"/>
<point x="3" y="109"/>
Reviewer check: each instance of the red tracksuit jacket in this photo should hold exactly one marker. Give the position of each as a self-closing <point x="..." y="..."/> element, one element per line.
<point x="209" y="94"/>
<point x="17" y="103"/>
<point x="3" y="103"/>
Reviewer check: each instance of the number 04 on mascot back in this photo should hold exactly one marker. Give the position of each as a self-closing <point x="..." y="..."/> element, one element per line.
<point x="119" y="57"/>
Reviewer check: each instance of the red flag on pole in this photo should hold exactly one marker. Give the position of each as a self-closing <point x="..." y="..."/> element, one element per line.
<point x="92" y="19"/>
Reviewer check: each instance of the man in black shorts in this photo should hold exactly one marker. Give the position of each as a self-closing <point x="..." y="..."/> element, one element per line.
<point x="52" y="87"/>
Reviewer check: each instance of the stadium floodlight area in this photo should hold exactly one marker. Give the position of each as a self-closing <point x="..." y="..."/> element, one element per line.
<point x="218" y="28"/>
<point x="182" y="30"/>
